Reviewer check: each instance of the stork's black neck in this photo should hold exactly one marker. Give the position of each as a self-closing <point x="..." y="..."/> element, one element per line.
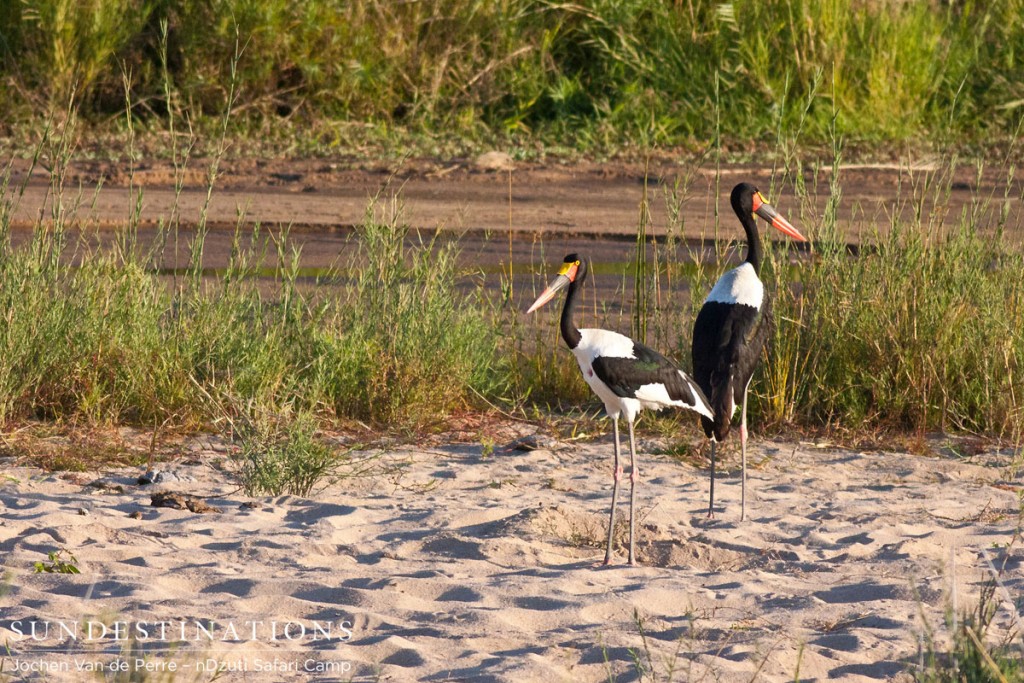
<point x="570" y="333"/>
<point x="753" y="241"/>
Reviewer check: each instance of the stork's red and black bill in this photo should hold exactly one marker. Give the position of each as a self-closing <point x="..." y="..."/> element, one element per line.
<point x="766" y="211"/>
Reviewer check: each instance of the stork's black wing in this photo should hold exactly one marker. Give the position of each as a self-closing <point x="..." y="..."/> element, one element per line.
<point x="624" y="376"/>
<point x="727" y="343"/>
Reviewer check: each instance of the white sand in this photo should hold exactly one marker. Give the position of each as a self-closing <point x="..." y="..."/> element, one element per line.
<point x="448" y="565"/>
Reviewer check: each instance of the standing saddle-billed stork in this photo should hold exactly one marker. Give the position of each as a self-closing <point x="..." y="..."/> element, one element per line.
<point x="731" y="330"/>
<point x="626" y="375"/>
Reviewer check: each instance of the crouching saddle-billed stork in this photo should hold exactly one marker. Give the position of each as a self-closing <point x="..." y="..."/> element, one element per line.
<point x="731" y="330"/>
<point x="626" y="375"/>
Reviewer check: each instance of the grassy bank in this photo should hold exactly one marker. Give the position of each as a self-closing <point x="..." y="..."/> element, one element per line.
<point x="594" y="76"/>
<point x="922" y="330"/>
<point x="112" y="340"/>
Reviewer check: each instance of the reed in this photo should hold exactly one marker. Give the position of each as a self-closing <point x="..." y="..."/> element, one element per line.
<point x="919" y="332"/>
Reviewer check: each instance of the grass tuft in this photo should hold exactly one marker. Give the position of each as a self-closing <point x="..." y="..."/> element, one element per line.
<point x="281" y="453"/>
<point x="406" y="349"/>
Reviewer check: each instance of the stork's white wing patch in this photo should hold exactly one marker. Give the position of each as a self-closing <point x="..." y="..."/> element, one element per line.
<point x="654" y="393"/>
<point x="656" y="396"/>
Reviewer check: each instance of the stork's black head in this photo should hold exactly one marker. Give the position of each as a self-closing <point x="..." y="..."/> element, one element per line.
<point x="748" y="201"/>
<point x="573" y="267"/>
<point x="742" y="199"/>
<point x="573" y="270"/>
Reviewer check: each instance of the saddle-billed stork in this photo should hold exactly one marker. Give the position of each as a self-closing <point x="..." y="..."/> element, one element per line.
<point x="626" y="375"/>
<point x="731" y="329"/>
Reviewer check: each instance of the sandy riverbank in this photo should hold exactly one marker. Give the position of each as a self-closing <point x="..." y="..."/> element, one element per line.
<point x="445" y="562"/>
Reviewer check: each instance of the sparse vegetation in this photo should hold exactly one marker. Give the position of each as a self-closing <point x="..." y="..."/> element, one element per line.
<point x="60" y="561"/>
<point x="282" y="454"/>
<point x="971" y="655"/>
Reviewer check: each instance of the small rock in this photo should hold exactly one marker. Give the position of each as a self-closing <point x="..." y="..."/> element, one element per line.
<point x="83" y="511"/>
<point x="104" y="486"/>
<point x="250" y="505"/>
<point x="136" y="515"/>
<point x="534" y="442"/>
<point x="181" y="501"/>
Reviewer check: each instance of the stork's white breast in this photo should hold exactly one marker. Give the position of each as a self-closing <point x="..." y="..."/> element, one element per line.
<point x="738" y="286"/>
<point x="605" y="344"/>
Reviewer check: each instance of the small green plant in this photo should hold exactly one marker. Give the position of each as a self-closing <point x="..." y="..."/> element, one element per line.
<point x="60" y="562"/>
<point x="653" y="666"/>
<point x="281" y="453"/>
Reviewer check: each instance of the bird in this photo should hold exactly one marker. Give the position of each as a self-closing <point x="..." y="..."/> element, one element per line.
<point x="731" y="329"/>
<point x="626" y="375"/>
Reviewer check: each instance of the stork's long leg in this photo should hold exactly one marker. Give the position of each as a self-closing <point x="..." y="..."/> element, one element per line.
<point x="615" y="493"/>
<point x="711" y="504"/>
<point x="633" y="476"/>
<point x="743" y="456"/>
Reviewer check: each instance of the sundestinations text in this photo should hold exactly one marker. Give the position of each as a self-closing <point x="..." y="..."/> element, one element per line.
<point x="180" y="630"/>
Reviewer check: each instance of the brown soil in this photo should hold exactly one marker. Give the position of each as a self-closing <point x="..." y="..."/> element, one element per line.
<point x="588" y="199"/>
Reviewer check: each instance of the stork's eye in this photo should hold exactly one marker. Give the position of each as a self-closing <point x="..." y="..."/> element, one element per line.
<point x="577" y="263"/>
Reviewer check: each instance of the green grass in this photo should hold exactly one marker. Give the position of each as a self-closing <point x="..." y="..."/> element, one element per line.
<point x="111" y="340"/>
<point x="281" y="453"/>
<point x="979" y="649"/>
<point x="597" y="76"/>
<point x="921" y="332"/>
<point x="407" y="350"/>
